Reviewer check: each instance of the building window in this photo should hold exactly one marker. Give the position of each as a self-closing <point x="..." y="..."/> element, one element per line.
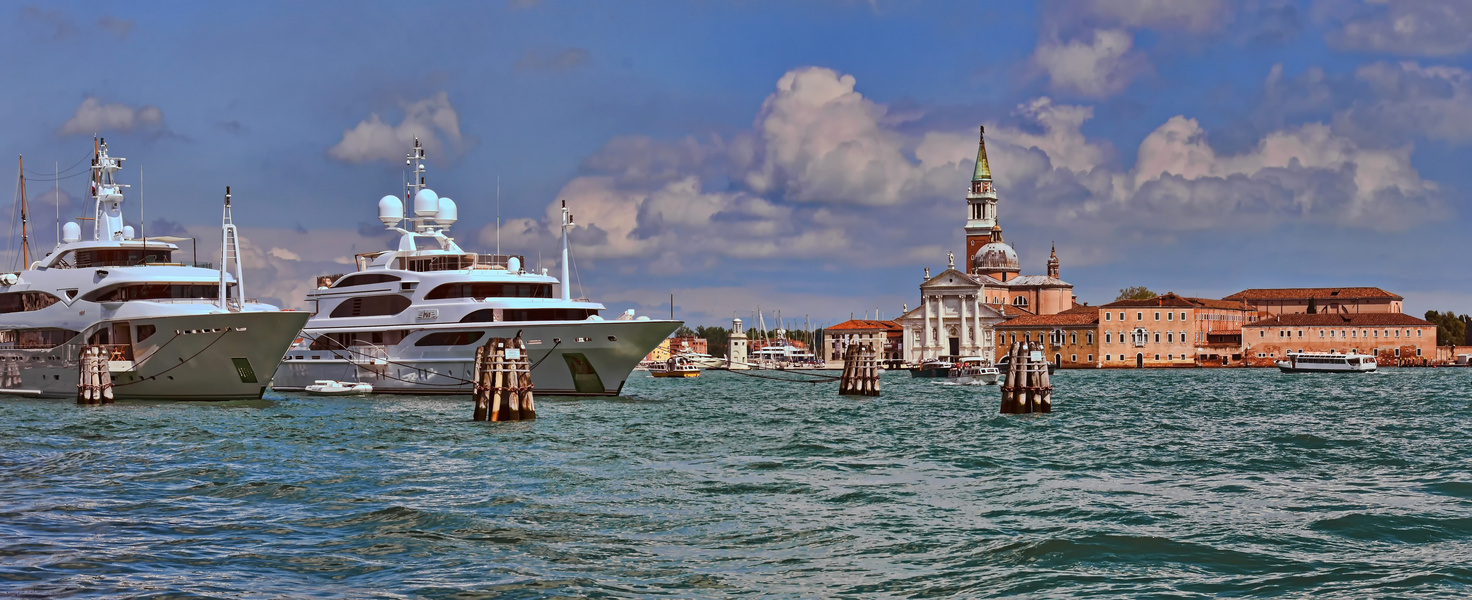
<point x="1107" y="357"/>
<point x="1321" y="334"/>
<point x="1300" y="333"/>
<point x="1091" y="358"/>
<point x="1170" y="316"/>
<point x="1418" y="351"/>
<point x="1157" y="338"/>
<point x="1183" y="315"/>
<point x="1089" y="337"/>
<point x="1157" y="315"/>
<point x="1169" y="338"/>
<point x="1397" y="352"/>
<point x="1108" y="338"/>
<point x="1106" y="316"/>
<point x="1073" y="358"/>
<point x="1170" y="357"/>
<point x="1397" y="333"/>
<point x="1157" y="357"/>
<point x="1140" y="337"/>
<point x="1262" y="333"/>
<point x="1121" y="315"/>
<point x="1073" y="338"/>
<point x="1019" y="301"/>
<point x="1418" y="334"/>
<point x="1140" y="316"/>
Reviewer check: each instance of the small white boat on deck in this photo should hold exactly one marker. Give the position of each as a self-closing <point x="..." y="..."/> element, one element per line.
<point x="328" y="387"/>
<point x="973" y="370"/>
<point x="676" y="366"/>
<point x="1308" y="362"/>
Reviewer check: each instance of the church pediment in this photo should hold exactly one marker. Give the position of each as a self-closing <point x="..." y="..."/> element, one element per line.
<point x="950" y="279"/>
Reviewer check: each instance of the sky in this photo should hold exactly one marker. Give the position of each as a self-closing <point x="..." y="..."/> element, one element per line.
<point x="811" y="157"/>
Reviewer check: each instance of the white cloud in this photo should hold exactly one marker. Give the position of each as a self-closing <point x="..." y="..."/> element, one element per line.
<point x="1191" y="15"/>
<point x="1405" y="27"/>
<point x="1100" y="67"/>
<point x="284" y="254"/>
<point x="94" y="116"/>
<point x="427" y="119"/>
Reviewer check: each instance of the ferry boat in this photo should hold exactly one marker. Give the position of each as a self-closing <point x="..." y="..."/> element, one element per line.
<point x="972" y="370"/>
<point x="676" y="366"/>
<point x="932" y="367"/>
<point x="408" y="320"/>
<point x="1310" y="362"/>
<point x="170" y="330"/>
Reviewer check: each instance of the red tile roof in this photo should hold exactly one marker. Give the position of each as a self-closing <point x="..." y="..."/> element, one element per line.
<point x="865" y="324"/>
<point x="1342" y="293"/>
<point x="1063" y="319"/>
<point x="1170" y="300"/>
<point x="1227" y="304"/>
<point x="1342" y="320"/>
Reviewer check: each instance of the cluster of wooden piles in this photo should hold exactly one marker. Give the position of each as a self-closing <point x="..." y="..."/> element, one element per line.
<point x="860" y="372"/>
<point x="94" y="378"/>
<point x="1027" y="388"/>
<point x="503" y="381"/>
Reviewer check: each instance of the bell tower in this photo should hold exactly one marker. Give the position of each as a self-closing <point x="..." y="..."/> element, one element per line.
<point x="981" y="203"/>
<point x="1053" y="263"/>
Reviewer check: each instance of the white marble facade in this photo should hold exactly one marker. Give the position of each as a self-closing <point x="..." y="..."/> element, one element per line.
<point x="951" y="320"/>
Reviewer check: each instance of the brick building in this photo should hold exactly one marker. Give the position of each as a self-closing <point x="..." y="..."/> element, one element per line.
<point x="1285" y="301"/>
<point x="682" y="344"/>
<point x="885" y="337"/>
<point x="1390" y="337"/>
<point x="1069" y="339"/>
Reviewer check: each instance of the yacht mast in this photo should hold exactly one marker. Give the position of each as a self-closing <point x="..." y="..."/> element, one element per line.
<point x="566" y="283"/>
<point x="25" y="241"/>
<point x="230" y="255"/>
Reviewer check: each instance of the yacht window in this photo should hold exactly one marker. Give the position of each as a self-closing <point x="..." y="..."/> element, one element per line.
<point x="145" y="332"/>
<point x="113" y="257"/>
<point x="365" y="279"/>
<point x="156" y="291"/>
<point x="35" y="339"/>
<point x="486" y="289"/>
<point x="550" y="314"/>
<point x="371" y="306"/>
<point x="26" y="301"/>
<point x="450" y="338"/>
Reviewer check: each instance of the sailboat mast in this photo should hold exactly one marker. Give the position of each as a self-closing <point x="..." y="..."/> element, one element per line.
<point x="25" y="240"/>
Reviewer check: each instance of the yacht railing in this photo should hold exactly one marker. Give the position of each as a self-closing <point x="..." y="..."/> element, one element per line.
<point x="498" y="261"/>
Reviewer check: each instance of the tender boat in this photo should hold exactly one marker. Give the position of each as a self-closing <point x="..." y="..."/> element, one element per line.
<point x="170" y="330"/>
<point x="1310" y="362"/>
<point x="409" y="319"/>
<point x="973" y="370"/>
<point x="676" y="366"/>
<point x="933" y="367"/>
<point x="329" y="387"/>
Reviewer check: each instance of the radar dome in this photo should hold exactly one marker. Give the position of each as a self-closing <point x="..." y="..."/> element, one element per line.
<point x="426" y="203"/>
<point x="71" y="232"/>
<point x="390" y="210"/>
<point x="448" y="212"/>
<point x="513" y="264"/>
<point x="128" y="232"/>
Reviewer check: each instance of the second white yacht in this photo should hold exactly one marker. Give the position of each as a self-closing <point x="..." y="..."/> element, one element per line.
<point x="409" y="319"/>
<point x="170" y="330"/>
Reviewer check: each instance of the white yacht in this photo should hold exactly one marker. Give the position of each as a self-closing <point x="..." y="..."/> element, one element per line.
<point x="972" y="370"/>
<point x="171" y="330"/>
<point x="1310" y="362"/>
<point x="408" y="320"/>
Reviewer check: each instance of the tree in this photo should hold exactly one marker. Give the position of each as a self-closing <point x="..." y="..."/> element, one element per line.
<point x="1451" y="329"/>
<point x="684" y="331"/>
<point x="1313" y="308"/>
<point x="1138" y="292"/>
<point x="717" y="339"/>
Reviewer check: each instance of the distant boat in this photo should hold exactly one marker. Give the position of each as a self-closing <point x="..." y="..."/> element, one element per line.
<point x="676" y="366"/>
<point x="1308" y="362"/>
<point x="972" y="370"/>
<point x="329" y="387"/>
<point x="934" y="367"/>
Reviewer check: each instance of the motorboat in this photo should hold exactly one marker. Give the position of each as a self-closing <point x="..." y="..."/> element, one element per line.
<point x="676" y="366"/>
<point x="331" y="387"/>
<point x="409" y="318"/>
<point x="169" y="329"/>
<point x="972" y="370"/>
<point x="933" y="367"/>
<point x="1313" y="362"/>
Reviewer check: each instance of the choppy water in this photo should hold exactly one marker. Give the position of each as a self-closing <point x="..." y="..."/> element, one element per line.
<point x="1180" y="483"/>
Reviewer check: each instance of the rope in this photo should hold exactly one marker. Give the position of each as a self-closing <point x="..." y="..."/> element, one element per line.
<point x="458" y="380"/>
<point x="141" y="379"/>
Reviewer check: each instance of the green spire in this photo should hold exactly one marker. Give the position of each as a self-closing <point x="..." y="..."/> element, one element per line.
<point x="983" y="170"/>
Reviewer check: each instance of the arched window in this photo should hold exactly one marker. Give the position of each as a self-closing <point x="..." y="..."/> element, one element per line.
<point x="1139" y="337"/>
<point x="365" y="279"/>
<point x="26" y="301"/>
<point x="1057" y="337"/>
<point x="371" y="306"/>
<point x="1019" y="301"/>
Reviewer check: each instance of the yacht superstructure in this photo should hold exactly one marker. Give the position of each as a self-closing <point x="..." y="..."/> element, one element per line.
<point x="171" y="330"/>
<point x="408" y="320"/>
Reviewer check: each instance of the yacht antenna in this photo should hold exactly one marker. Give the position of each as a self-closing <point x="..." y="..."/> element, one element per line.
<point x="57" y="166"/>
<point x="566" y="284"/>
<point x="498" y="217"/>
<point x="25" y="241"/>
<point x="230" y="254"/>
<point x="142" y="217"/>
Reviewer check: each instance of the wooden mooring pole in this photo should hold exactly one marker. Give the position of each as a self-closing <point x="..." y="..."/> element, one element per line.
<point x="1028" y="388"/>
<point x="860" y="372"/>
<point x="94" y="378"/>
<point x="503" y="381"/>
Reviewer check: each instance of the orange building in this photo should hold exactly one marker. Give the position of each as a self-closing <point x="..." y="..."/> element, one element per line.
<point x="681" y="344"/>
<point x="1392" y="338"/>
<point x="884" y="337"/>
<point x="1287" y="301"/>
<point x="1069" y="339"/>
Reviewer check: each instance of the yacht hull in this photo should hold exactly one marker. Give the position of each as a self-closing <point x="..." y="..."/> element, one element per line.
<point x="222" y="356"/>
<point x="570" y="358"/>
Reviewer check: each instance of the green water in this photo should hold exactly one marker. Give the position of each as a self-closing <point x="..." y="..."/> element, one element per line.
<point x="1141" y="484"/>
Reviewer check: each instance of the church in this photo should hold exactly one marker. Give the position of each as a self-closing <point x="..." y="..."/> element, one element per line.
<point x="960" y="306"/>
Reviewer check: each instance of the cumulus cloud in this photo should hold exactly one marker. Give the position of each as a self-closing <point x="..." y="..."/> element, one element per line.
<point x="1097" y="67"/>
<point x="1408" y="99"/>
<point x="1405" y="27"/>
<point x="561" y="60"/>
<point x="95" y="116"/>
<point x="430" y="119"/>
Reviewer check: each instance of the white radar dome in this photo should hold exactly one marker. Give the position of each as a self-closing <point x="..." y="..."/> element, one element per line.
<point x="128" y="232"/>
<point x="448" y="212"/>
<point x="390" y="210"/>
<point x="426" y="203"/>
<point x="513" y="264"/>
<point x="71" y="232"/>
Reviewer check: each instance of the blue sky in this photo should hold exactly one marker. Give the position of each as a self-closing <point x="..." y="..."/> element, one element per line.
<point x="810" y="156"/>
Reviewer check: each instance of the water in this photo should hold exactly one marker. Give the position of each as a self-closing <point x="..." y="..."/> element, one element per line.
<point x="1159" y="483"/>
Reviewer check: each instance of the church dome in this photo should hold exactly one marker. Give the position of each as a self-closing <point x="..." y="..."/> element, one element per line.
<point x="994" y="258"/>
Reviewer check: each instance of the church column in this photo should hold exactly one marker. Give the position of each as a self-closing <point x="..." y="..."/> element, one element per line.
<point x="976" y="319"/>
<point x="941" y="339"/>
<point x="961" y="309"/>
<point x="925" y="343"/>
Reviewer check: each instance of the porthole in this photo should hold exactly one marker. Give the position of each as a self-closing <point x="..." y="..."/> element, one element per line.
<point x="612" y="338"/>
